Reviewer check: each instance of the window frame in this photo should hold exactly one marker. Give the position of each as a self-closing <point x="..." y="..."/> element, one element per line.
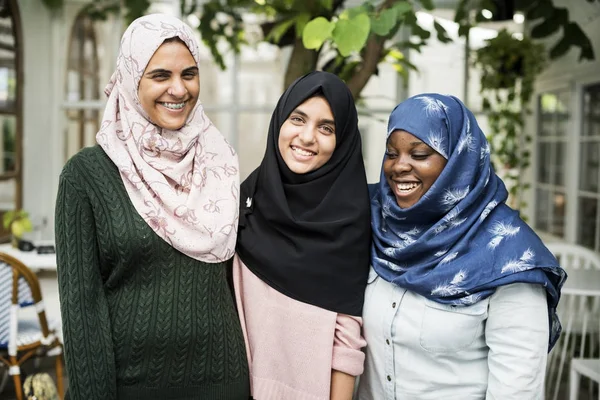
<point x="576" y="86"/>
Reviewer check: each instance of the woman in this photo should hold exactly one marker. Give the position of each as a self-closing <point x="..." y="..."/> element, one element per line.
<point x="303" y="247"/>
<point x="144" y="225"/>
<point x="462" y="296"/>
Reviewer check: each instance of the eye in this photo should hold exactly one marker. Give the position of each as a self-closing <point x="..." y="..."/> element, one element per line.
<point x="296" y="119"/>
<point x="420" y="156"/>
<point x="328" y="129"/>
<point x="390" y="155"/>
<point x="189" y="75"/>
<point x="160" y="77"/>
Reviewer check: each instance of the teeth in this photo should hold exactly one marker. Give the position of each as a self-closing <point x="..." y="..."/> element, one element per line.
<point x="406" y="186"/>
<point x="303" y="152"/>
<point x="174" y="106"/>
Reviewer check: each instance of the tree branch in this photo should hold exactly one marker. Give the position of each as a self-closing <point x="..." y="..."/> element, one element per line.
<point x="371" y="57"/>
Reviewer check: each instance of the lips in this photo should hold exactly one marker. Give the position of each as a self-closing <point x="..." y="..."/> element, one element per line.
<point x="404" y="191"/>
<point x="302" y="152"/>
<point x="173" y="106"/>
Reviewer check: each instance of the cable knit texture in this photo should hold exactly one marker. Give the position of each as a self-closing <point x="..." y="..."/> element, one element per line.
<point x="141" y="320"/>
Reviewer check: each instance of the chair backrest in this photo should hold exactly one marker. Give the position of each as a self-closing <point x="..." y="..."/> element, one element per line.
<point x="19" y="287"/>
<point x="574" y="256"/>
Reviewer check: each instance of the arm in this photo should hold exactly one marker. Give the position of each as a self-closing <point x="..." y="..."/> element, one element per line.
<point x="86" y="324"/>
<point x="348" y="359"/>
<point x="517" y="335"/>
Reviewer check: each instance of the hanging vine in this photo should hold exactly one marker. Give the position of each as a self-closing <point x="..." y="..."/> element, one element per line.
<point x="509" y="67"/>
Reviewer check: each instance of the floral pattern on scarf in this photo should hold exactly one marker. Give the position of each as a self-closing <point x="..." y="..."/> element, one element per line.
<point x="183" y="183"/>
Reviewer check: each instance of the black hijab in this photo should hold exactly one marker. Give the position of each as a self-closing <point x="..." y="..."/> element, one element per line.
<point x="308" y="235"/>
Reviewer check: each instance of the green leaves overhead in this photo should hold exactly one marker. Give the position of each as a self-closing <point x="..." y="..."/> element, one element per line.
<point x="327" y="4"/>
<point x="442" y="35"/>
<point x="279" y="30"/>
<point x="384" y="22"/>
<point x="350" y="35"/>
<point x="316" y="32"/>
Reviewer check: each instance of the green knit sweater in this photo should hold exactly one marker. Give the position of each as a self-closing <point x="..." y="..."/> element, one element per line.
<point x="140" y="319"/>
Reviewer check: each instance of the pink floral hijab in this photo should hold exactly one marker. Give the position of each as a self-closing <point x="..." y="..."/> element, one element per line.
<point x="183" y="183"/>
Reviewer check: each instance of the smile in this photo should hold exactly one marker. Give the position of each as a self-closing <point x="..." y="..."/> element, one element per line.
<point x="406" y="188"/>
<point x="173" y="106"/>
<point x="303" y="152"/>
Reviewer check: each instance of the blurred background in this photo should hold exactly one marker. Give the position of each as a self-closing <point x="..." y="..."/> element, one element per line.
<point x="528" y="69"/>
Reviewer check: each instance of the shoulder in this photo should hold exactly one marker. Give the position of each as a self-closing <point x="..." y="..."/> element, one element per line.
<point x="529" y="292"/>
<point x="523" y="304"/>
<point x="87" y="161"/>
<point x="87" y="168"/>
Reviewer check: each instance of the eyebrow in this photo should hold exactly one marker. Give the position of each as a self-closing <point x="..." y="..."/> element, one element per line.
<point x="162" y="70"/>
<point x="412" y="144"/>
<point x="323" y="120"/>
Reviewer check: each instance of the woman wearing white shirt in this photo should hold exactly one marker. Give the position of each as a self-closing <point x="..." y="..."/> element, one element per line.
<point x="462" y="293"/>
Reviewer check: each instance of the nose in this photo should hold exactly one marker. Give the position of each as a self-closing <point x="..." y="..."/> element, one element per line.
<point x="307" y="134"/>
<point x="177" y="88"/>
<point x="402" y="164"/>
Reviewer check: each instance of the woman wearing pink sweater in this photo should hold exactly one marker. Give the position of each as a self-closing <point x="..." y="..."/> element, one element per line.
<point x="303" y="247"/>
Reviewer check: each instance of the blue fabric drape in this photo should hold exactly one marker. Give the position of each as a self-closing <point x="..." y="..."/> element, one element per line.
<point x="460" y="241"/>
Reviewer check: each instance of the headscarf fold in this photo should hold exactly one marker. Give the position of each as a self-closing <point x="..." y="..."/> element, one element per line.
<point x="183" y="183"/>
<point x="460" y="241"/>
<point x="308" y="235"/>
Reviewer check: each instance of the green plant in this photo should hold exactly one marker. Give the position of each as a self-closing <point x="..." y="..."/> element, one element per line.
<point x="509" y="67"/>
<point x="543" y="16"/>
<point x="17" y="222"/>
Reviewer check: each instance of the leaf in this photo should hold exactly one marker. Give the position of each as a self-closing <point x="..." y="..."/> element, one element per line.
<point x="7" y="218"/>
<point x="543" y="10"/>
<point x="316" y="32"/>
<point x="463" y="30"/>
<point x="301" y="21"/>
<point x="351" y="13"/>
<point x="351" y="34"/>
<point x="327" y="4"/>
<point x="560" y="48"/>
<point x="545" y="28"/>
<point x="279" y="30"/>
<point x="384" y="22"/>
<point x="402" y="7"/>
<point x="579" y="38"/>
<point x="428" y="4"/>
<point x="441" y="32"/>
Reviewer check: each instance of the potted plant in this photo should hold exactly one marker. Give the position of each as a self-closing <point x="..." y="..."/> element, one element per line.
<point x="509" y="67"/>
<point x="17" y="222"/>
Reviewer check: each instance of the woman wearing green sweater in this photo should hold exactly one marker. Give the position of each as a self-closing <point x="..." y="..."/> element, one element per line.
<point x="144" y="225"/>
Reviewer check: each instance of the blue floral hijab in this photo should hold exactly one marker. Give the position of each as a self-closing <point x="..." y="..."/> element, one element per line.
<point x="460" y="241"/>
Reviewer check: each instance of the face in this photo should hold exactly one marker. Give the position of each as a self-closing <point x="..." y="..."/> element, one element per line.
<point x="169" y="88"/>
<point x="307" y="137"/>
<point x="410" y="167"/>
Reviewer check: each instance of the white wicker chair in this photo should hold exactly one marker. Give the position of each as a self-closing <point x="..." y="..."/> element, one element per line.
<point x="24" y="338"/>
<point x="580" y="317"/>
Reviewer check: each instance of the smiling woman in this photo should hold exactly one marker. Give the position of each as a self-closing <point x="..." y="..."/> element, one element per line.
<point x="307" y="137"/>
<point x="143" y="234"/>
<point x="170" y="86"/>
<point x="461" y="289"/>
<point x="410" y="167"/>
<point x="303" y="247"/>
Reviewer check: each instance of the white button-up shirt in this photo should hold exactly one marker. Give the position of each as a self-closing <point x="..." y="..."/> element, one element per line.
<point x="420" y="349"/>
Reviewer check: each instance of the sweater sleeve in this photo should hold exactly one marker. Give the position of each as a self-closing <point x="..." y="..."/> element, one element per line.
<point x="517" y="335"/>
<point x="347" y="343"/>
<point x="88" y="344"/>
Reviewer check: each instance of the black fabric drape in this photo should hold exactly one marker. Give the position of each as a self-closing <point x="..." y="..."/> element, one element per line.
<point x="308" y="235"/>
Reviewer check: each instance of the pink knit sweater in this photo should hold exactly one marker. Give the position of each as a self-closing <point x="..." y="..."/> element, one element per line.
<point x="293" y="346"/>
